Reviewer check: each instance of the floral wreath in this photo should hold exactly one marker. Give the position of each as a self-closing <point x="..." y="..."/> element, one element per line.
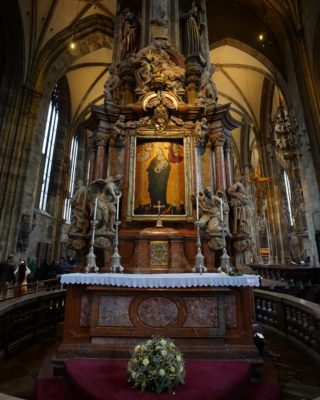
<point x="156" y="365"/>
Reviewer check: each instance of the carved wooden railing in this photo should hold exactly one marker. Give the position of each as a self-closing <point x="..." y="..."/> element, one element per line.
<point x="27" y="318"/>
<point x="299" y="281"/>
<point x="296" y="319"/>
<point x="34" y="287"/>
<point x="288" y="273"/>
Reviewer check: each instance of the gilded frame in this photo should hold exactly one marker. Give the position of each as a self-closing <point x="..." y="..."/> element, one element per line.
<point x="152" y="137"/>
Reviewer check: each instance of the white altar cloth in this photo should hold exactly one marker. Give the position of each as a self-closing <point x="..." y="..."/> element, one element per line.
<point x="182" y="280"/>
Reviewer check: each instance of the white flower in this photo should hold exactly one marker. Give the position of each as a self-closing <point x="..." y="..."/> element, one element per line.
<point x="164" y="353"/>
<point x="172" y="369"/>
<point x="163" y="342"/>
<point x="133" y="374"/>
<point x="181" y="368"/>
<point x="149" y="342"/>
<point x="178" y="357"/>
<point x="137" y="348"/>
<point x="162" y="372"/>
<point x="145" y="362"/>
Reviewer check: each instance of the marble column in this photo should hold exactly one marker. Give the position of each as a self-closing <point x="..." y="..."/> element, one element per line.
<point x="101" y="141"/>
<point x="92" y="158"/>
<point x="228" y="164"/>
<point x="218" y="140"/>
<point x="127" y="84"/>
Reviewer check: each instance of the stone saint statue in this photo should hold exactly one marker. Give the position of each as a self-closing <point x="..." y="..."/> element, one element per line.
<point x="193" y="39"/>
<point x="128" y="34"/>
<point x="111" y="86"/>
<point x="224" y="207"/>
<point x="200" y="130"/>
<point x="211" y="211"/>
<point x="242" y="209"/>
<point x="80" y="209"/>
<point x="208" y="90"/>
<point x="119" y="128"/>
<point x="108" y="189"/>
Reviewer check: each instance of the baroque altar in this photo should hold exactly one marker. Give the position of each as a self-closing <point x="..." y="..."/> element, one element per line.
<point x="160" y="163"/>
<point x="163" y="142"/>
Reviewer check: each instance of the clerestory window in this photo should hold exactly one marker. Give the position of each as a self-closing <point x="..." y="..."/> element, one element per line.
<point x="288" y="195"/>
<point x="73" y="166"/>
<point x="48" y="147"/>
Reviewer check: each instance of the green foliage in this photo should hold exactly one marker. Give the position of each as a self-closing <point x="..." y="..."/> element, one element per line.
<point x="235" y="273"/>
<point x="156" y="365"/>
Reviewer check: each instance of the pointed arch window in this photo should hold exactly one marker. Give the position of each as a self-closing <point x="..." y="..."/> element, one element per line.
<point x="48" y="146"/>
<point x="73" y="165"/>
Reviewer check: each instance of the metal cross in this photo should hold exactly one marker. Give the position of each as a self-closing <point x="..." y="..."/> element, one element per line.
<point x="159" y="206"/>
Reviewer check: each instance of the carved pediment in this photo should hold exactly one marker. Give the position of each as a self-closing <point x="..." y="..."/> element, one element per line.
<point x="157" y="69"/>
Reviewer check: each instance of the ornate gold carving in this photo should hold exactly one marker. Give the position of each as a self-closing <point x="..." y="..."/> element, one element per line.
<point x="153" y="99"/>
<point x="217" y="138"/>
<point x="159" y="253"/>
<point x="155" y="69"/>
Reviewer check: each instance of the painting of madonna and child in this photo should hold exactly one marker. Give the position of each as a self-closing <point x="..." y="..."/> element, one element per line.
<point x="159" y="178"/>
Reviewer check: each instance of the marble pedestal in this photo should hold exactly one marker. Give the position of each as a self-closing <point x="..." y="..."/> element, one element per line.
<point x="158" y="250"/>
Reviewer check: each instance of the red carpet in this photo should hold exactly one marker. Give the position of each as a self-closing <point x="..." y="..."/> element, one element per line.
<point x="106" y="380"/>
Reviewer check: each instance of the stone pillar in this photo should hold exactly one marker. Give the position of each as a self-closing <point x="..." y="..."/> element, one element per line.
<point x="101" y="141"/>
<point x="92" y="158"/>
<point x="127" y="84"/>
<point x="228" y="164"/>
<point x="218" y="140"/>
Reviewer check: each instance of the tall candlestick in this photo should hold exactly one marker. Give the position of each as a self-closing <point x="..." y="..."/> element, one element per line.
<point x="197" y="206"/>
<point x="196" y="181"/>
<point x="118" y="198"/>
<point x="95" y="208"/>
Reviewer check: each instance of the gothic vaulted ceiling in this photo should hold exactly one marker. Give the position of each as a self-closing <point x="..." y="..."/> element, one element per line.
<point x="234" y="27"/>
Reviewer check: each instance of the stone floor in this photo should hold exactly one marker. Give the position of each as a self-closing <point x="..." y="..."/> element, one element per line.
<point x="18" y="374"/>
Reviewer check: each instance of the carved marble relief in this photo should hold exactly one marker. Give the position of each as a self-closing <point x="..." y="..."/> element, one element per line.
<point x="113" y="311"/>
<point x="158" y="311"/>
<point x="201" y="312"/>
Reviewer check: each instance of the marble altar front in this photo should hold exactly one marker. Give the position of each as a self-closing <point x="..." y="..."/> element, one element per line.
<point x="208" y="315"/>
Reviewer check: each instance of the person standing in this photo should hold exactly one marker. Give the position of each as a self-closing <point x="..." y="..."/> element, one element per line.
<point x="7" y="276"/>
<point x="21" y="275"/>
<point x="33" y="266"/>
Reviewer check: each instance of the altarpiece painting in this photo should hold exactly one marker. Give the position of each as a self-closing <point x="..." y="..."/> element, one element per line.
<point x="159" y="177"/>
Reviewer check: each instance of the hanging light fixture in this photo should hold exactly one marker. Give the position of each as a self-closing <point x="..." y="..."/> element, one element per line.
<point x="73" y="45"/>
